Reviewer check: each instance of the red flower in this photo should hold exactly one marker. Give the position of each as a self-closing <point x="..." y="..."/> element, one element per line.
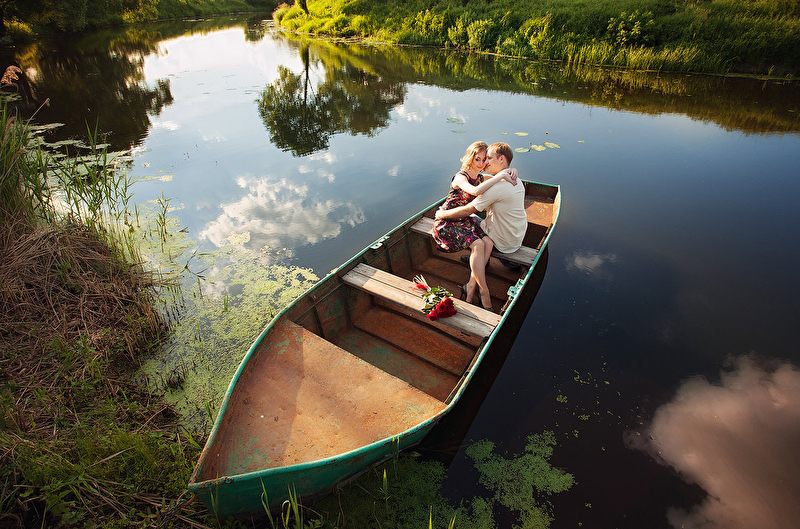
<point x="443" y="309"/>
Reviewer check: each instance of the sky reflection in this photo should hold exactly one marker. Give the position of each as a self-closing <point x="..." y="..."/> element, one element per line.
<point x="591" y="264"/>
<point x="738" y="440"/>
<point x="276" y="213"/>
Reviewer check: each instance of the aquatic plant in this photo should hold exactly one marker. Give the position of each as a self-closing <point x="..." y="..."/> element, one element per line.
<point x="411" y="496"/>
<point x="534" y="478"/>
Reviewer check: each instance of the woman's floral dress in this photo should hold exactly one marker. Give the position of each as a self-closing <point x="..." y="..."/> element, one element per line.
<point x="453" y="235"/>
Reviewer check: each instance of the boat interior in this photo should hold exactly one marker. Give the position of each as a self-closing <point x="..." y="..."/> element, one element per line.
<point x="375" y="314"/>
<point x="356" y="360"/>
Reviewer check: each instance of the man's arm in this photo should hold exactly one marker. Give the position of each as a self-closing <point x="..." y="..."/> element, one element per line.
<point x="456" y="213"/>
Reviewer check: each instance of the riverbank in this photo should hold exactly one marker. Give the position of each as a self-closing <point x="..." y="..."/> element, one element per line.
<point x="717" y="36"/>
<point x="81" y="442"/>
<point x="24" y="25"/>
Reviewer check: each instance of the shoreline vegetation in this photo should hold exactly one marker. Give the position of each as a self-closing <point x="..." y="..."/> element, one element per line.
<point x="24" y="21"/>
<point x="82" y="443"/>
<point x="760" y="37"/>
<point x="750" y="37"/>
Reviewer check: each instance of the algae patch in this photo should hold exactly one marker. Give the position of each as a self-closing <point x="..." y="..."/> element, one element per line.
<point x="521" y="483"/>
<point x="410" y="494"/>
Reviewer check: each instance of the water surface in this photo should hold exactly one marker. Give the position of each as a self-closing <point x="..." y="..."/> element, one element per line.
<point x="662" y="346"/>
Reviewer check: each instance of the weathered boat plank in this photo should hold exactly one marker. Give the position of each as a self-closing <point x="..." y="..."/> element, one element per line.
<point x="419" y="339"/>
<point x="469" y="318"/>
<point x="398" y="362"/>
<point x="307" y="399"/>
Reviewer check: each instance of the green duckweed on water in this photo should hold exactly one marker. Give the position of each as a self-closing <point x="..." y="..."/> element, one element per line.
<point x="411" y="496"/>
<point x="223" y="301"/>
<point x="521" y="482"/>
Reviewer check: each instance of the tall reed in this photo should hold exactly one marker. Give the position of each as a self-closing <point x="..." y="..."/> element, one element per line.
<point x="23" y="190"/>
<point x="82" y="188"/>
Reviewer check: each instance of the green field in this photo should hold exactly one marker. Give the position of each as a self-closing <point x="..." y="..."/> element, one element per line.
<point x="713" y="36"/>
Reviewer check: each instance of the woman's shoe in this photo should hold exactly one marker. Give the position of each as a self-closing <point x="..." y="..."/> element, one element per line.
<point x="489" y="308"/>
<point x="463" y="293"/>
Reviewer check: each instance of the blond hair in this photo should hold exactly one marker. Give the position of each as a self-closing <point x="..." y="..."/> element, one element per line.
<point x="502" y="149"/>
<point x="472" y="150"/>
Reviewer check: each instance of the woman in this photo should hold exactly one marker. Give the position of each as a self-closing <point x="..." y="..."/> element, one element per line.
<point x="453" y="235"/>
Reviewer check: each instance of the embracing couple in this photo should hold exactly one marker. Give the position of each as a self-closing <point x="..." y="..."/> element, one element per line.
<point x="500" y="195"/>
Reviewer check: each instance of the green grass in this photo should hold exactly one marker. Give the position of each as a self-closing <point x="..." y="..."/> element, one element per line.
<point x="717" y="36"/>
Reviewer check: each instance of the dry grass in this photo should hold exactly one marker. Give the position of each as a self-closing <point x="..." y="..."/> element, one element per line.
<point x="65" y="283"/>
<point x="60" y="285"/>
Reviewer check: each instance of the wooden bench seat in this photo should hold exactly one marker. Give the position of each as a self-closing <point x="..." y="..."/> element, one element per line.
<point x="524" y="255"/>
<point x="469" y="318"/>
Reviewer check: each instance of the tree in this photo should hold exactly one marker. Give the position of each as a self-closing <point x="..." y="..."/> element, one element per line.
<point x="68" y="15"/>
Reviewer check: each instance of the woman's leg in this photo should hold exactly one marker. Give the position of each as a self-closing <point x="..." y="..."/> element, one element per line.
<point x="488" y="246"/>
<point x="477" y="263"/>
<point x="475" y="258"/>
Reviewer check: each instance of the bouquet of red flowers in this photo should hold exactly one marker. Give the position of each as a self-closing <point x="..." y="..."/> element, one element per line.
<point x="438" y="303"/>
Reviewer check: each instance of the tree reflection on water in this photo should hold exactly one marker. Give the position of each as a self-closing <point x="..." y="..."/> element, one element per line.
<point x="302" y="118"/>
<point x="101" y="88"/>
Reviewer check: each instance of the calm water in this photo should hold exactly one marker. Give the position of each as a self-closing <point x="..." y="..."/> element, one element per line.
<point x="662" y="348"/>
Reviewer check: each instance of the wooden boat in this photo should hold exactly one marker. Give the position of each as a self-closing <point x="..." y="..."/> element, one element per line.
<point x="353" y="371"/>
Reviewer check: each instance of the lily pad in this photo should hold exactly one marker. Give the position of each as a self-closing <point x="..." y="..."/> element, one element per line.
<point x="458" y="131"/>
<point x="538" y="147"/>
<point x="521" y="133"/>
<point x="522" y="149"/>
<point x="455" y="120"/>
<point x="552" y="145"/>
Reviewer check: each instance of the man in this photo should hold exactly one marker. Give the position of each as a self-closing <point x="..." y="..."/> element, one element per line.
<point x="505" y="222"/>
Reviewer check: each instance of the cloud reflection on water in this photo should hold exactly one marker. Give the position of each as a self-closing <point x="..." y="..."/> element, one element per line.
<point x="276" y="213"/>
<point x="591" y="264"/>
<point x="738" y="440"/>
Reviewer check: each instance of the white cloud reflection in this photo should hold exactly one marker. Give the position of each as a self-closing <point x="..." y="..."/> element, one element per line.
<point x="326" y="156"/>
<point x="276" y="213"/>
<point x="739" y="441"/>
<point x="591" y="264"/>
<point x="166" y="124"/>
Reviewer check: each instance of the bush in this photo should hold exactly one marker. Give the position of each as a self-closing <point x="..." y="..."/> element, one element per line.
<point x="361" y="25"/>
<point x="538" y="34"/>
<point x="338" y="27"/>
<point x="631" y="30"/>
<point x="431" y="27"/>
<point x="481" y="35"/>
<point x="279" y="13"/>
<point x="514" y="47"/>
<point x="457" y="34"/>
